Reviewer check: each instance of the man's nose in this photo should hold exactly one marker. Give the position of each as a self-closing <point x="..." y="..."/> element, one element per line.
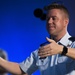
<point x="50" y="20"/>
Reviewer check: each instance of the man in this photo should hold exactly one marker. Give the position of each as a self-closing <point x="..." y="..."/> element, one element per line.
<point x="55" y="58"/>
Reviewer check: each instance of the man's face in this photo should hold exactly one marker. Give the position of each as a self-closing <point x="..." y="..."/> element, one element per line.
<point x="56" y="22"/>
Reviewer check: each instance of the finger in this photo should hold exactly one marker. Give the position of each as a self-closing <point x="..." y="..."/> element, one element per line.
<point x="44" y="49"/>
<point x="49" y="40"/>
<point x="44" y="55"/>
<point x="43" y="52"/>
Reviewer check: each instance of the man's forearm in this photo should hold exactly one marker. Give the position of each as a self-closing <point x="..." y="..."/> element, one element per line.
<point x="10" y="66"/>
<point x="71" y="53"/>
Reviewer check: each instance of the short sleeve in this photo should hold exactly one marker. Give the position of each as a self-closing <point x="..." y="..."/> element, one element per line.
<point x="29" y="65"/>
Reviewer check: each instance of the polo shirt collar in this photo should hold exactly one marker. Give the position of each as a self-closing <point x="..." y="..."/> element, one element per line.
<point x="65" y="40"/>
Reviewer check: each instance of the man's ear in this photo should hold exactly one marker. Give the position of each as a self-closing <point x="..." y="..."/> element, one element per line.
<point x="66" y="21"/>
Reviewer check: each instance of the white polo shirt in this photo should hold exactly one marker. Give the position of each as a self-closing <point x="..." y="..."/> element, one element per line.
<point x="52" y="65"/>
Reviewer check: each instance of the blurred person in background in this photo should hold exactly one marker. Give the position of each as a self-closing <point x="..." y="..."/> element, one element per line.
<point x="3" y="54"/>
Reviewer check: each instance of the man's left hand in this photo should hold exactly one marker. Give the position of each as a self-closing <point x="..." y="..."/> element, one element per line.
<point x="50" y="49"/>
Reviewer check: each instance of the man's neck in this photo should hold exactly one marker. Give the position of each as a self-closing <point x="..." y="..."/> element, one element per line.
<point x="57" y="37"/>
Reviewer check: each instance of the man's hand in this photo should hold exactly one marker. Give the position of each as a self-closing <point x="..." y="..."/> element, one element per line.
<point x="50" y="49"/>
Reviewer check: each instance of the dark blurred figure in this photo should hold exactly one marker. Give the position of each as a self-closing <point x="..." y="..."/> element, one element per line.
<point x="3" y="54"/>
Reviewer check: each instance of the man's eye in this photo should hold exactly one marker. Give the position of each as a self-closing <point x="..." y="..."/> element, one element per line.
<point x="54" y="18"/>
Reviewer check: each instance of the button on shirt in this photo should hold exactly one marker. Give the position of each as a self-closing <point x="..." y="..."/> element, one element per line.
<point x="51" y="65"/>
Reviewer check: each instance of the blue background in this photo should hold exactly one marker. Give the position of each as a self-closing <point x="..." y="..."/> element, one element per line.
<point x="21" y="32"/>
